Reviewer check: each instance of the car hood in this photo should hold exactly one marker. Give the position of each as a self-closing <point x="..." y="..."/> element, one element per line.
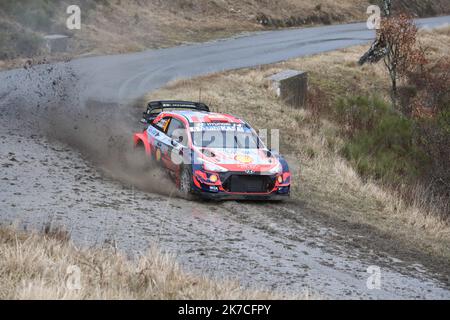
<point x="256" y="160"/>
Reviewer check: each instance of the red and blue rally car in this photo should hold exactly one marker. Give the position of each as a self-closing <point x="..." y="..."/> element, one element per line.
<point x="213" y="155"/>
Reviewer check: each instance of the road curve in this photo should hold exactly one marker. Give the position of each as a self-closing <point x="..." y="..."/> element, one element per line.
<point x="122" y="78"/>
<point x="281" y="247"/>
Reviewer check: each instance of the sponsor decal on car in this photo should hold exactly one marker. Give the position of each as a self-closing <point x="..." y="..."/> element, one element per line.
<point x="217" y="126"/>
<point x="243" y="158"/>
<point x="158" y="155"/>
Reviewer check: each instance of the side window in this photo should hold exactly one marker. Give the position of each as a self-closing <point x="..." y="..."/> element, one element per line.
<point x="162" y="124"/>
<point x="177" y="131"/>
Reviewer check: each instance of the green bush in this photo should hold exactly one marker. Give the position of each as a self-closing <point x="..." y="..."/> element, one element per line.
<point x="34" y="14"/>
<point x="380" y="142"/>
<point x="359" y="113"/>
<point x="435" y="141"/>
<point x="28" y="44"/>
<point x="4" y="49"/>
<point x="444" y="119"/>
<point x="14" y="44"/>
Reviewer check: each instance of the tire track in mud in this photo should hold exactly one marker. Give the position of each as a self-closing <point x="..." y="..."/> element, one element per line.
<point x="293" y="225"/>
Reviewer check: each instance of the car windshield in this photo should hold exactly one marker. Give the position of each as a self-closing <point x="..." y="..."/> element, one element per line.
<point x="225" y="137"/>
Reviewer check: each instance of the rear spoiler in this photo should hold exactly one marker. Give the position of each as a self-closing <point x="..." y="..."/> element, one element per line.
<point x="154" y="108"/>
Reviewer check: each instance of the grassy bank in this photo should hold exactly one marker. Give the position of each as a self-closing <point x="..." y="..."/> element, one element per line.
<point x="44" y="266"/>
<point x="325" y="180"/>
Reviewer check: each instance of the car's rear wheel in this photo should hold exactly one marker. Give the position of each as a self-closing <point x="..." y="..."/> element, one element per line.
<point x="186" y="182"/>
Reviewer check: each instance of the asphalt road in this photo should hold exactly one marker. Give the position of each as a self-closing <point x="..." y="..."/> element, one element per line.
<point x="122" y="78"/>
<point x="53" y="148"/>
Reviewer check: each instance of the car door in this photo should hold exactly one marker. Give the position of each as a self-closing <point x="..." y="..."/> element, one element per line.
<point x="177" y="133"/>
<point x="158" y="138"/>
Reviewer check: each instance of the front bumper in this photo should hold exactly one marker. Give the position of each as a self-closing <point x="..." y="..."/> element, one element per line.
<point x="250" y="197"/>
<point x="239" y="186"/>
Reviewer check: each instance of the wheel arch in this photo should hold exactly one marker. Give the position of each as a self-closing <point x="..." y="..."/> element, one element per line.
<point x="283" y="163"/>
<point x="141" y="140"/>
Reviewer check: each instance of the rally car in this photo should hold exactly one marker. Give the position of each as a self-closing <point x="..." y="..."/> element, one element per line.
<point x="212" y="155"/>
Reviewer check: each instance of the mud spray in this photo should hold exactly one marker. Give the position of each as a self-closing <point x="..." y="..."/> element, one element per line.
<point x="44" y="100"/>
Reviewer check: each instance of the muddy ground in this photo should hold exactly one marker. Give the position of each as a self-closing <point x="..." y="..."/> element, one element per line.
<point x="70" y="163"/>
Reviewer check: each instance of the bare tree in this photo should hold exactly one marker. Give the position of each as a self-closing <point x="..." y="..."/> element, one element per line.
<point x="396" y="45"/>
<point x="402" y="54"/>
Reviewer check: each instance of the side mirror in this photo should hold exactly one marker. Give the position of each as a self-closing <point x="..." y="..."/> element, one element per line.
<point x="143" y="121"/>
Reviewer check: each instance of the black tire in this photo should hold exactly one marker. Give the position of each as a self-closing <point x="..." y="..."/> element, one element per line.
<point x="186" y="183"/>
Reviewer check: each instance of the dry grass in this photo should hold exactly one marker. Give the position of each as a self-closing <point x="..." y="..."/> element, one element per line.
<point x="436" y="42"/>
<point x="322" y="178"/>
<point x="34" y="266"/>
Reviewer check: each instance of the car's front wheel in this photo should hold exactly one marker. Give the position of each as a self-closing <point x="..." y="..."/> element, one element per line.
<point x="186" y="182"/>
<point x="143" y="160"/>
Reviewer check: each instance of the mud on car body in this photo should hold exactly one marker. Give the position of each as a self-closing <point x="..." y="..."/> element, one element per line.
<point x="212" y="155"/>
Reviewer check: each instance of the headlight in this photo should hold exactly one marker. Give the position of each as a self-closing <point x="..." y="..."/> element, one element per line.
<point x="278" y="169"/>
<point x="208" y="166"/>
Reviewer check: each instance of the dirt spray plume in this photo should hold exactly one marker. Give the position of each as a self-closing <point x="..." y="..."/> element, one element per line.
<point x="46" y="100"/>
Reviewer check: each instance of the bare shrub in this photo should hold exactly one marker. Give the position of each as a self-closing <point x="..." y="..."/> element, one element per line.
<point x="397" y="46"/>
<point x="432" y="82"/>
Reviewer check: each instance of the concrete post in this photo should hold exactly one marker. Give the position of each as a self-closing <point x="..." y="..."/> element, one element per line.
<point x="56" y="43"/>
<point x="291" y="86"/>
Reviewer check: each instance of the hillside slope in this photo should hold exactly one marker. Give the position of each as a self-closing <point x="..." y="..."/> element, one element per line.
<point x="115" y="26"/>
